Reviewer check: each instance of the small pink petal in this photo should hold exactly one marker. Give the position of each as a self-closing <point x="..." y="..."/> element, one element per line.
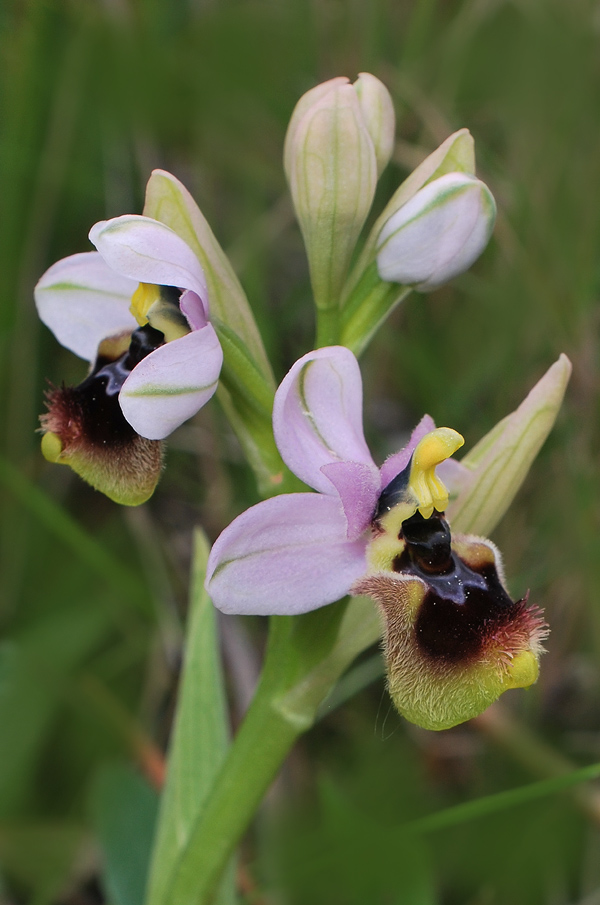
<point x="287" y="555"/>
<point x="359" y="487"/>
<point x="191" y="305"/>
<point x="397" y="462"/>
<point x="148" y="251"/>
<point x="83" y="302"/>
<point x="172" y="383"/>
<point x="317" y="415"/>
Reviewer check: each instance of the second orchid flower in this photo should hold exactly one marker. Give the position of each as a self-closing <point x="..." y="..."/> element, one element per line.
<point x="137" y="309"/>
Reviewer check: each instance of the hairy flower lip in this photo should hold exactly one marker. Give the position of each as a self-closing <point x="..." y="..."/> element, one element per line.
<point x="465" y="606"/>
<point x="446" y="661"/>
<point x="100" y="445"/>
<point x="89" y="415"/>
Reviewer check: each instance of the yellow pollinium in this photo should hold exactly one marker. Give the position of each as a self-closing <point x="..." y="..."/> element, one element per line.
<point x="425" y="485"/>
<point x="144" y="297"/>
<point x="148" y="306"/>
<point x="425" y="491"/>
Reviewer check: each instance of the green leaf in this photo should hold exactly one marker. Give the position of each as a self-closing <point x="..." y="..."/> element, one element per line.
<point x="124" y="809"/>
<point x="305" y="657"/>
<point x="199" y="742"/>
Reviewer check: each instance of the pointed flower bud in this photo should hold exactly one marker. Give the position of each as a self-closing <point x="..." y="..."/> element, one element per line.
<point x="438" y="233"/>
<point x="367" y="298"/>
<point x="331" y="166"/>
<point x="378" y="112"/>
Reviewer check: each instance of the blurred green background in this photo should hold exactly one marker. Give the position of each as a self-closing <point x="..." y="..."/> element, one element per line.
<point x="92" y="598"/>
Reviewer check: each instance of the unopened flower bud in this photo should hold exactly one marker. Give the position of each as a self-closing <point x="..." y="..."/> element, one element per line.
<point x="331" y="166"/>
<point x="438" y="233"/>
<point x="367" y="296"/>
<point x="378" y="112"/>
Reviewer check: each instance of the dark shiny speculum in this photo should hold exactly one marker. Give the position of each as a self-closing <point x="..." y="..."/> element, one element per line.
<point x="465" y="604"/>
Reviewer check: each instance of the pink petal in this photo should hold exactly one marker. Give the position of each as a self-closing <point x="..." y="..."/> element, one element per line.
<point x="317" y="415"/>
<point x="397" y="462"/>
<point x="287" y="555"/>
<point x="192" y="306"/>
<point x="172" y="383"/>
<point x="83" y="302"/>
<point x="359" y="487"/>
<point x="149" y="252"/>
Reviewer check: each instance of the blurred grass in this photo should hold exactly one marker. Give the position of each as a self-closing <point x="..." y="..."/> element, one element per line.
<point x="95" y="94"/>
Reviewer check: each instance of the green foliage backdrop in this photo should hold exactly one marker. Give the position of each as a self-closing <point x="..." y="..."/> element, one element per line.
<point x="92" y="599"/>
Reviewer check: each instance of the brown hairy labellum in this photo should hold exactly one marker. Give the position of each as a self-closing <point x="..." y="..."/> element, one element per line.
<point x="85" y="428"/>
<point x="454" y="639"/>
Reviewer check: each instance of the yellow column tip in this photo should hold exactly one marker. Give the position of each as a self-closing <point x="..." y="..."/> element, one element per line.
<point x="431" y="451"/>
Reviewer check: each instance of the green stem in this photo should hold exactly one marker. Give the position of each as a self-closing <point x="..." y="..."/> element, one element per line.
<point x="361" y="323"/>
<point x="261" y="746"/>
<point x="328" y="326"/>
<point x="305" y="657"/>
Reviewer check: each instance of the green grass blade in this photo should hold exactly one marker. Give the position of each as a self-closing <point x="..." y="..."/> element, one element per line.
<point x="199" y="742"/>
<point x="491" y="804"/>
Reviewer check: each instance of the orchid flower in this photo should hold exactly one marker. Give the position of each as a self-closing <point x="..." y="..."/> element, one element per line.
<point x="454" y="639"/>
<point x="137" y="310"/>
